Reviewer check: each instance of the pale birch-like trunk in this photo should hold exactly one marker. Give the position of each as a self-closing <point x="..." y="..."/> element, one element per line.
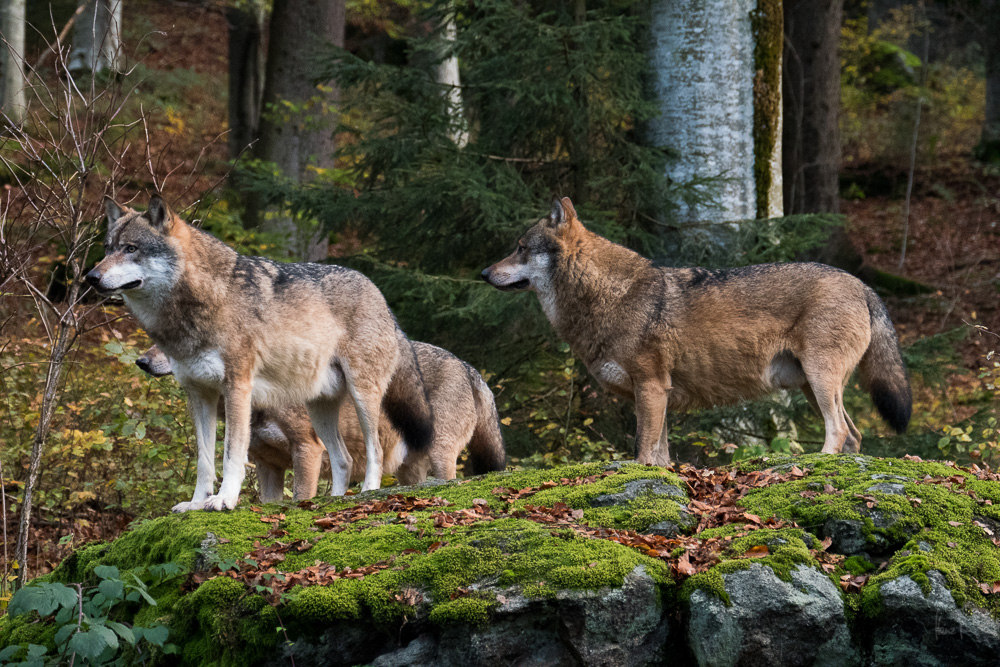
<point x="12" y="67"/>
<point x="97" y="37"/>
<point x="447" y="76"/>
<point x="705" y="59"/>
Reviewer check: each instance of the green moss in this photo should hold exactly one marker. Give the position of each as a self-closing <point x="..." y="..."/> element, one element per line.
<point x="470" y="610"/>
<point x="222" y="622"/>
<point x="787" y="548"/>
<point x="767" y="26"/>
<point x="857" y="565"/>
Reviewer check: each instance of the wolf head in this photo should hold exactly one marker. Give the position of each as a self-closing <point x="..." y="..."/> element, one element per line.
<point x="154" y="362"/>
<point x="138" y="254"/>
<point x="529" y="267"/>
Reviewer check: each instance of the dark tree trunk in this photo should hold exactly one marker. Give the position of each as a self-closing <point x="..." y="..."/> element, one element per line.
<point x="246" y="78"/>
<point x="811" y="139"/>
<point x="299" y="134"/>
<point x="989" y="147"/>
<point x="811" y="136"/>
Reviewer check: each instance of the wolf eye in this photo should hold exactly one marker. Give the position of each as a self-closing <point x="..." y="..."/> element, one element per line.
<point x="130" y="248"/>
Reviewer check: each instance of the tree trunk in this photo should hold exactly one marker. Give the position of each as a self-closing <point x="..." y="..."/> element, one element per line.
<point x="13" y="80"/>
<point x="97" y="37"/>
<point x="716" y="72"/>
<point x="446" y="75"/>
<point x="811" y="151"/>
<point x="989" y="148"/>
<point x="298" y="121"/>
<point x="246" y="76"/>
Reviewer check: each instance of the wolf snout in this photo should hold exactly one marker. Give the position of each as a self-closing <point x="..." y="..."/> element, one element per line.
<point x="144" y="365"/>
<point x="94" y="277"/>
<point x="485" y="275"/>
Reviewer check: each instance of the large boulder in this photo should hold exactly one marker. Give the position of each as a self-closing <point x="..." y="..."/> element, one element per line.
<point x="769" y="621"/>
<point x="816" y="560"/>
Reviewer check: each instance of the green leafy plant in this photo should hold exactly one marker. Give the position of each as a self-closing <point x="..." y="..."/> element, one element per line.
<point x="88" y="621"/>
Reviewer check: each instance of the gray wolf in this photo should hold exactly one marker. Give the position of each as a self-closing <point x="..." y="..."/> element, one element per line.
<point x="698" y="338"/>
<point x="464" y="414"/>
<point x="263" y="333"/>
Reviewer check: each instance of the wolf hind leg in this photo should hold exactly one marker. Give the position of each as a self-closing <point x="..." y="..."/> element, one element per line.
<point x="367" y="399"/>
<point x="204" y="412"/>
<point x="827" y="395"/>
<point x="853" y="443"/>
<point x="324" y="414"/>
<point x="271" y="482"/>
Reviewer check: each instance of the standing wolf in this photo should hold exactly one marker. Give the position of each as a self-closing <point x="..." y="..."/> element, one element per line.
<point x="464" y="414"/>
<point x="703" y="338"/>
<point x="261" y="333"/>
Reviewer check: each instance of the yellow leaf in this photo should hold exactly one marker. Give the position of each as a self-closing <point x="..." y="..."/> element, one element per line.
<point x="128" y="401"/>
<point x="505" y="421"/>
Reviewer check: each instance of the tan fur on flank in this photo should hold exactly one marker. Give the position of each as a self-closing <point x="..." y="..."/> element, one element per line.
<point x="699" y="338"/>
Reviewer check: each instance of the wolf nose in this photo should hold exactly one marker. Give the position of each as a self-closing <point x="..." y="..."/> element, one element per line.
<point x="143" y="364"/>
<point x="485" y="275"/>
<point x="94" y="277"/>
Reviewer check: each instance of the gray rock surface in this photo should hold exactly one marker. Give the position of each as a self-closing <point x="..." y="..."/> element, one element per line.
<point x="636" y="488"/>
<point x="892" y="489"/>
<point x="612" y="627"/>
<point x="771" y="622"/>
<point x="931" y="630"/>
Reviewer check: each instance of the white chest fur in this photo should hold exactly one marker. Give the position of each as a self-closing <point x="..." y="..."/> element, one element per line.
<point x="611" y="374"/>
<point x="203" y="368"/>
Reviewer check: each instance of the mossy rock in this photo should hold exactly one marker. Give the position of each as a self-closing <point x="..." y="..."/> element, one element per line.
<point x="509" y="589"/>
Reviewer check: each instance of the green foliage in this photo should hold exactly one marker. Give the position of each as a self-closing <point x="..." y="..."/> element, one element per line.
<point x="87" y="622"/>
<point x="880" y="85"/>
<point x="118" y="436"/>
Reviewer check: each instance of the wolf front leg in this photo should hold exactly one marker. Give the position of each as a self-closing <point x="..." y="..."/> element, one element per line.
<point x="203" y="405"/>
<point x="234" y="457"/>
<point x="650" y="413"/>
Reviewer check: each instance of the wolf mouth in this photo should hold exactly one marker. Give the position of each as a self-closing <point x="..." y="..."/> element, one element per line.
<point x="524" y="283"/>
<point x="112" y="290"/>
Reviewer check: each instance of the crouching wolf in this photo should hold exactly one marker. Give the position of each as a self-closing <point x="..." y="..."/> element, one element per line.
<point x="261" y="333"/>
<point x="464" y="410"/>
<point x="701" y="338"/>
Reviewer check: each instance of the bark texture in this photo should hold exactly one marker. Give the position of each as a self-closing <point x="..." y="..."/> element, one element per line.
<point x="246" y="76"/>
<point x="12" y="73"/>
<point x="705" y="62"/>
<point x="297" y="124"/>
<point x="811" y="152"/>
<point x="97" y="37"/>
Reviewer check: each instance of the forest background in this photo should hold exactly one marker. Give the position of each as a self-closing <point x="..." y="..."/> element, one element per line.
<point x="415" y="141"/>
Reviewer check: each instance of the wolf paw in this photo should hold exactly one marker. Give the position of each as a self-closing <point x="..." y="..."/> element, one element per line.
<point x="219" y="503"/>
<point x="187" y="507"/>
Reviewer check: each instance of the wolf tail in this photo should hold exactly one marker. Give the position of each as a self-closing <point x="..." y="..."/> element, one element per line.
<point x="883" y="374"/>
<point x="486" y="450"/>
<point x="407" y="401"/>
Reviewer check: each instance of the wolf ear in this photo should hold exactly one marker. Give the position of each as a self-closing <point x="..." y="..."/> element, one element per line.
<point x="113" y="210"/>
<point x="157" y="212"/>
<point x="562" y="212"/>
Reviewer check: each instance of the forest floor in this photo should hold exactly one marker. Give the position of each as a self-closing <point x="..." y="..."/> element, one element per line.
<point x="953" y="247"/>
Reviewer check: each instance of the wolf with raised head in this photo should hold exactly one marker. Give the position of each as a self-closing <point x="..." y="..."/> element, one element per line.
<point x="464" y="410"/>
<point x="261" y="333"/>
<point x="699" y="337"/>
